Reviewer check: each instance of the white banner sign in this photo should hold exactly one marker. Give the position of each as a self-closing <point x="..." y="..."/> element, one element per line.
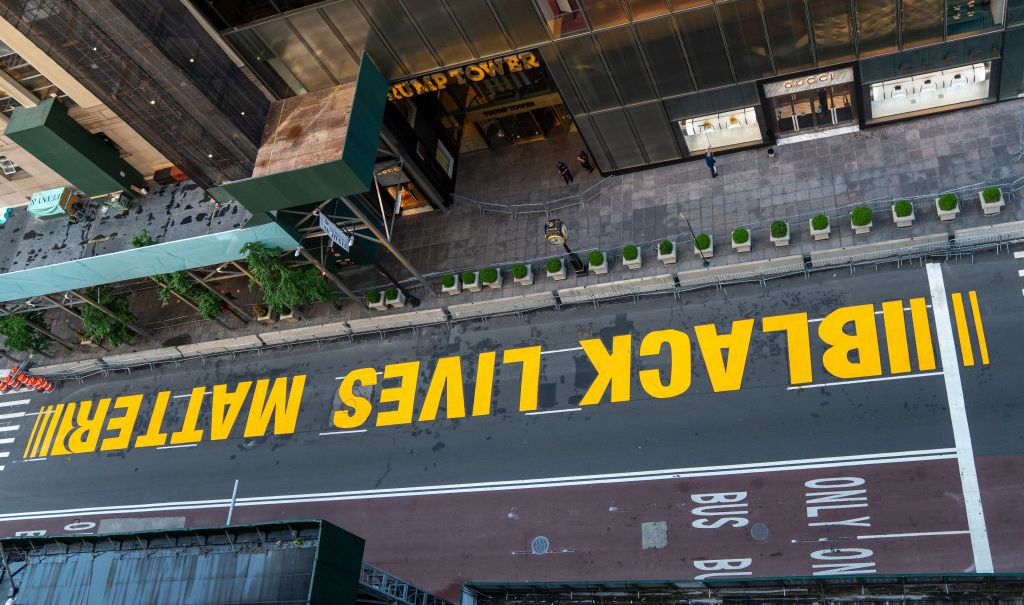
<point x="335" y="233"/>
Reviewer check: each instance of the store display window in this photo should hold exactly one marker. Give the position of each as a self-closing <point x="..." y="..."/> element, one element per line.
<point x="724" y="130"/>
<point x="931" y="91"/>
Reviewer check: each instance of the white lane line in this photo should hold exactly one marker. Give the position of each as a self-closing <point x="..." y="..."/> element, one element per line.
<point x="5" y="454"/>
<point x="343" y="432"/>
<point x="34" y="459"/>
<point x="551" y="412"/>
<point x="840" y="383"/>
<point x="1020" y="273"/>
<point x="919" y="534"/>
<point x="379" y="373"/>
<point x="682" y="473"/>
<point x="1018" y="254"/>
<point x="4" y="429"/>
<point x="190" y="394"/>
<point x="2" y="467"/>
<point x="174" y="447"/>
<point x="961" y="429"/>
<point x="817" y="319"/>
<point x="561" y="350"/>
<point x="6" y="440"/>
<point x="11" y="404"/>
<point x="12" y="415"/>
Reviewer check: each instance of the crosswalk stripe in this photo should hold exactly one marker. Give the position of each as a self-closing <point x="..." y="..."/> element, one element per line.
<point x="6" y="440"/>
<point x="11" y="404"/>
<point x="5" y="429"/>
<point x="4" y="454"/>
<point x="13" y="415"/>
<point x="1018" y="254"/>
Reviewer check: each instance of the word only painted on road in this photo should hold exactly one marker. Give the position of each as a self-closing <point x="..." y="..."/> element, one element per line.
<point x="846" y="344"/>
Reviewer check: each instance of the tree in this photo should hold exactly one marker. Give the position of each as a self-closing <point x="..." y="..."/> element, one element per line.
<point x="100" y="327"/>
<point x="19" y="335"/>
<point x="284" y="288"/>
<point x="180" y="283"/>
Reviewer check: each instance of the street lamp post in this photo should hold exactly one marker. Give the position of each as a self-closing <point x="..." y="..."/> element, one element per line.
<point x="557" y="234"/>
<point x="693" y="236"/>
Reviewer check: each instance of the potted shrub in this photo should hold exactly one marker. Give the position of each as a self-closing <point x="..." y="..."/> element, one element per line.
<point x="522" y="274"/>
<point x="903" y="213"/>
<point x="631" y="257"/>
<point x="779" y="233"/>
<point x="375" y="300"/>
<point x="555" y="268"/>
<point x="741" y="239"/>
<point x="820" y="229"/>
<point x="471" y="280"/>
<point x="292" y="316"/>
<point x="263" y="314"/>
<point x="450" y="284"/>
<point x="948" y="206"/>
<point x="991" y="200"/>
<point x="704" y="245"/>
<point x="598" y="262"/>
<point x="393" y="297"/>
<point x="491" y="277"/>
<point x="861" y="219"/>
<point x="667" y="252"/>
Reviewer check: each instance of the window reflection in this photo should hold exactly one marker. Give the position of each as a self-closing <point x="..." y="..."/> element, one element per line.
<point x="619" y="138"/>
<point x="480" y="26"/>
<point x="665" y="56"/>
<point x="967" y="16"/>
<point x="588" y="72"/>
<point x="876" y="26"/>
<point x="830" y="21"/>
<point x="653" y="131"/>
<point x="626" y="65"/>
<point x="563" y="17"/>
<point x="922" y="22"/>
<point x="704" y="46"/>
<point x="1014" y="13"/>
<point x="787" y="29"/>
<point x="604" y="13"/>
<point x="642" y="9"/>
<point x="744" y="32"/>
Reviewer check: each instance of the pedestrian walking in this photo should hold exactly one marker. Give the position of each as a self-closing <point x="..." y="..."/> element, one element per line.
<point x="563" y="169"/>
<point x="584" y="161"/>
<point x="709" y="159"/>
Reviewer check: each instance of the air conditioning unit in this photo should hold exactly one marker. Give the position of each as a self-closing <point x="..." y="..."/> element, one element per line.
<point x="8" y="167"/>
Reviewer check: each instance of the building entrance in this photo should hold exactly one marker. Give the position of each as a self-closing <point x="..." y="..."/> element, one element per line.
<point x="817" y="102"/>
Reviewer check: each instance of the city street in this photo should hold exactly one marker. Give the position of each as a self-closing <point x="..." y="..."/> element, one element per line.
<point x="837" y="424"/>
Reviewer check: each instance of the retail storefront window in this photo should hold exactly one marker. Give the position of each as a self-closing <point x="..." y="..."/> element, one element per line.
<point x="724" y="130"/>
<point x="930" y="92"/>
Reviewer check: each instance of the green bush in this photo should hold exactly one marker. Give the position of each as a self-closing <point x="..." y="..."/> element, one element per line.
<point x="665" y="247"/>
<point x="519" y="271"/>
<point x="779" y="229"/>
<point x="861" y="216"/>
<point x="100" y="327"/>
<point x="991" y="195"/>
<point x="630" y="252"/>
<point x="468" y="278"/>
<point x="702" y="241"/>
<point x="142" y="239"/>
<point x="209" y="305"/>
<point x="903" y="208"/>
<point x="819" y="222"/>
<point x="373" y="296"/>
<point x="740" y="235"/>
<point x="596" y="258"/>
<point x="284" y="288"/>
<point x="554" y="265"/>
<point x="448" y="281"/>
<point x="947" y="202"/>
<point x="489" y="275"/>
<point x="391" y="294"/>
<point x="19" y="335"/>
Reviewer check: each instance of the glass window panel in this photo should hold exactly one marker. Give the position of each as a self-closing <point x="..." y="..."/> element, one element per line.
<point x="554" y="66"/>
<point x="1011" y="84"/>
<point x="1014" y="12"/>
<point x="787" y="30"/>
<point x="678" y="5"/>
<point x="439" y="30"/>
<point x="876" y="26"/>
<point x="642" y="9"/>
<point x="922" y="22"/>
<point x="665" y="56"/>
<point x="234" y="13"/>
<point x="563" y="17"/>
<point x="591" y="77"/>
<point x="703" y="41"/>
<point x="521" y="21"/>
<point x="744" y="32"/>
<point x="480" y="26"/>
<point x="604" y="13"/>
<point x="619" y="138"/>
<point x="594" y="144"/>
<point x="626" y="65"/>
<point x="327" y="47"/>
<point x="288" y="51"/>
<point x="349" y="22"/>
<point x="654" y="131"/>
<point x="830" y="22"/>
<point x="258" y="56"/>
<point x="964" y="17"/>
<point x="395" y="27"/>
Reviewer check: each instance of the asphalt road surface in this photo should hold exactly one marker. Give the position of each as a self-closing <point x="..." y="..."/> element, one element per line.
<point x="670" y="439"/>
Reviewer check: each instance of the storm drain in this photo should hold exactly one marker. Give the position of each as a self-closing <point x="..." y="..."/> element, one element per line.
<point x="540" y="545"/>
<point x="759" y="532"/>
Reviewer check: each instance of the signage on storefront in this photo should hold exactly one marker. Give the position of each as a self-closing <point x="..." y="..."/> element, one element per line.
<point x="818" y="80"/>
<point x="514" y="107"/>
<point x="474" y="72"/>
<point x="339" y="237"/>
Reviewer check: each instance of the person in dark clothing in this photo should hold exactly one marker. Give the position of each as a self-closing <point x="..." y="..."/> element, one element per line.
<point x="584" y="161"/>
<point x="563" y="169"/>
<point x="709" y="159"/>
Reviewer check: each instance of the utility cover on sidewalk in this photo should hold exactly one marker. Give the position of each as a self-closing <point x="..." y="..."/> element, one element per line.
<point x="654" y="534"/>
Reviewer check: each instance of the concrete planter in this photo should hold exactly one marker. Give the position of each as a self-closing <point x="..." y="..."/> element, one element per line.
<point x="863" y="228"/>
<point x="602" y="268"/>
<point x="380" y="305"/>
<point x="995" y="207"/>
<point x="634" y="264"/>
<point x="668" y="259"/>
<point x="744" y="247"/>
<point x="398" y="301"/>
<point x="266" y="318"/>
<point x="947" y="215"/>
<point x="709" y="252"/>
<point x="291" y="317"/>
<point x="903" y="221"/>
<point x="525" y="281"/>
<point x="781" y="241"/>
<point x="819" y="234"/>
<point x="557" y="275"/>
<point x="498" y="283"/>
<point x="473" y="286"/>
<point x="455" y="289"/>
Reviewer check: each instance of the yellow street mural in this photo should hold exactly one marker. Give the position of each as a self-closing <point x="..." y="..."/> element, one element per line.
<point x="845" y="344"/>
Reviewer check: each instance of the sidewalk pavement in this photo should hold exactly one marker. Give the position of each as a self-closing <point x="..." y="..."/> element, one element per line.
<point x="923" y="156"/>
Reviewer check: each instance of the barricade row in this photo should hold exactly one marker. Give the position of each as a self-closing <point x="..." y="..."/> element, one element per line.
<point x="502" y="306"/>
<point x="617" y="289"/>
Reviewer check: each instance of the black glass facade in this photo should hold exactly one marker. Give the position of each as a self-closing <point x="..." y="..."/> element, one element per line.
<point x="650" y="81"/>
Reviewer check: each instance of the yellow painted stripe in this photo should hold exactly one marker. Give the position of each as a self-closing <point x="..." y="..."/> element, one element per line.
<point x="961" y="330"/>
<point x="54" y="421"/>
<point x="979" y="328"/>
<point x="896" y="336"/>
<point x="922" y="335"/>
<point x="32" y="436"/>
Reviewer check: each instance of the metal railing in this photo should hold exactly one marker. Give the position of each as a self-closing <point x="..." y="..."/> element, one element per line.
<point x="512" y="209"/>
<point x="394" y="590"/>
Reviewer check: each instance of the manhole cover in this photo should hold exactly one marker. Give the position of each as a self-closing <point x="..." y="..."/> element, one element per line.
<point x="540" y="545"/>
<point x="759" y="532"/>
